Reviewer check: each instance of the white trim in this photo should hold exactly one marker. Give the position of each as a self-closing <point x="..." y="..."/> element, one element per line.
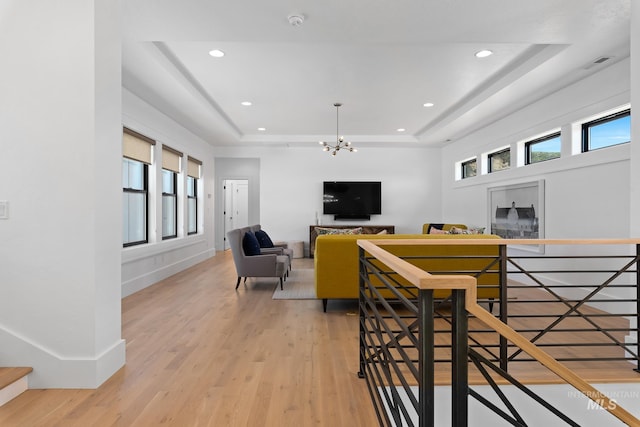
<point x="151" y="277"/>
<point x="138" y="252"/>
<point x="51" y="370"/>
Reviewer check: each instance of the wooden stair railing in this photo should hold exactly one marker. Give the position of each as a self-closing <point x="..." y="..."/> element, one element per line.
<point x="423" y="280"/>
<point x="553" y="365"/>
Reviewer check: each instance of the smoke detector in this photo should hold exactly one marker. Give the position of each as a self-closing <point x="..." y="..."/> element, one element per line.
<point x="296" y="19"/>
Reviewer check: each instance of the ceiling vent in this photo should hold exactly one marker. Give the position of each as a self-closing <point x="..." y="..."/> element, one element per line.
<point x="597" y="61"/>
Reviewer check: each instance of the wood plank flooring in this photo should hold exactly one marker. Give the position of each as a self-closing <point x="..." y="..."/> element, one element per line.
<point x="200" y="353"/>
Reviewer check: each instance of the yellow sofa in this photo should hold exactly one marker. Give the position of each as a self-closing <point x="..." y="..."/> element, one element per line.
<point x="336" y="262"/>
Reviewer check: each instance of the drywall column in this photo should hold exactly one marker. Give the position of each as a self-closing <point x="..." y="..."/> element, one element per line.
<point x="60" y="174"/>
<point x="635" y="120"/>
<point x="634" y="167"/>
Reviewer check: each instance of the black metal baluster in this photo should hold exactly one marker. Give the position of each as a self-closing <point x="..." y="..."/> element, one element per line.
<point x="426" y="358"/>
<point x="504" y="311"/>
<point x="361" y="372"/>
<point x="459" y="358"/>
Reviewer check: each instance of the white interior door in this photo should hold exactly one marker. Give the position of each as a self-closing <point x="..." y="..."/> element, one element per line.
<point x="236" y="205"/>
<point x="241" y="204"/>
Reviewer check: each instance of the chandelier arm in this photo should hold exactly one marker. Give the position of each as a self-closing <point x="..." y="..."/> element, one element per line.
<point x="337" y="123"/>
<point x="339" y="140"/>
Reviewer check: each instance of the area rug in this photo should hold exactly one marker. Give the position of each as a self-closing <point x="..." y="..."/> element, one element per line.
<point x="299" y="285"/>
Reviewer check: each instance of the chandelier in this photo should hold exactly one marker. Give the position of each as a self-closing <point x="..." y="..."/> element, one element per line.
<point x="340" y="144"/>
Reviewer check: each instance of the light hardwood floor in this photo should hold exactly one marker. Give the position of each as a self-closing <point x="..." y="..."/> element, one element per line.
<point x="200" y="353"/>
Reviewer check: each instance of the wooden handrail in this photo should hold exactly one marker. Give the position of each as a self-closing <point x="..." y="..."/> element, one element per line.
<point x="553" y="365"/>
<point x="424" y="280"/>
<point x="501" y="242"/>
<point x="415" y="275"/>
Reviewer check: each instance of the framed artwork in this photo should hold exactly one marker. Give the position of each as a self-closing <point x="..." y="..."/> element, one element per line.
<point x="517" y="212"/>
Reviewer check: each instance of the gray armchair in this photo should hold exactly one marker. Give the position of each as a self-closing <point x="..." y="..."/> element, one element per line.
<point x="263" y="265"/>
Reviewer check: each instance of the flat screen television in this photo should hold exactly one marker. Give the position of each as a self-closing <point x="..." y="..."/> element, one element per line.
<point x="352" y="199"/>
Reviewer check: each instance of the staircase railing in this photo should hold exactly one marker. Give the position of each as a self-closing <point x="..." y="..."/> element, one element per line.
<point x="398" y="339"/>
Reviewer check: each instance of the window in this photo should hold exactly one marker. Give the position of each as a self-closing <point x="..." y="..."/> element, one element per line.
<point x="499" y="160"/>
<point x="169" y="204"/>
<point x="170" y="170"/>
<point x="136" y="149"/>
<point x="542" y="149"/>
<point x="134" y="214"/>
<point x="607" y="131"/>
<point x="193" y="174"/>
<point x="192" y="205"/>
<point x="469" y="168"/>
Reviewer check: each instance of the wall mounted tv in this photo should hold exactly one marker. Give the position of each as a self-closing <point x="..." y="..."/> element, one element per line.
<point x="352" y="199"/>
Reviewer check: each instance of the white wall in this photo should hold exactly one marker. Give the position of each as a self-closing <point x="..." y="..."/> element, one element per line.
<point x="587" y="195"/>
<point x="634" y="194"/>
<point x="291" y="185"/>
<point x="60" y="141"/>
<point x="563" y="397"/>
<point x="147" y="264"/>
<point x="635" y="119"/>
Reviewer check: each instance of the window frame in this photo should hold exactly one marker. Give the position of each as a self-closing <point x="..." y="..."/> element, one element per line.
<point x="601" y="120"/>
<point x="495" y="153"/>
<point x="173" y="195"/>
<point x="194" y="197"/>
<point x="145" y="191"/>
<point x="528" y="144"/>
<point x="463" y="175"/>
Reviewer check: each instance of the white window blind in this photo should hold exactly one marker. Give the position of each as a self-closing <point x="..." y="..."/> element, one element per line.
<point x="136" y="146"/>
<point x="193" y="167"/>
<point x="171" y="159"/>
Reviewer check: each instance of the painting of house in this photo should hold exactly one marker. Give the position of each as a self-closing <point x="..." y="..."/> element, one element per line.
<point x="515" y="222"/>
<point x="517" y="211"/>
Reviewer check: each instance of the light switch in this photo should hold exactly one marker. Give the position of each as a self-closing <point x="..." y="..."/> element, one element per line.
<point x="4" y="209"/>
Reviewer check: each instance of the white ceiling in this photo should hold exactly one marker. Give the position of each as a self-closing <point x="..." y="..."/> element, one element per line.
<point x="381" y="59"/>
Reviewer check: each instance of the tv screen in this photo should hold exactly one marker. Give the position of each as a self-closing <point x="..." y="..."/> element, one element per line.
<point x="352" y="198"/>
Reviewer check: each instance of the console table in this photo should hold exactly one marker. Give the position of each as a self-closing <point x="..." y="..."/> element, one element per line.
<point x="366" y="229"/>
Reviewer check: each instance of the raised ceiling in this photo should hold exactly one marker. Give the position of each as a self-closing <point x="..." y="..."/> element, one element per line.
<point x="383" y="60"/>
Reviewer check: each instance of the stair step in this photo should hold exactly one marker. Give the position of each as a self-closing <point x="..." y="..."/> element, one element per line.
<point x="13" y="381"/>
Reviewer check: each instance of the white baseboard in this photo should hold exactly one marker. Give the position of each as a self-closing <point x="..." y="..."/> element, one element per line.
<point x="147" y="279"/>
<point x="51" y="370"/>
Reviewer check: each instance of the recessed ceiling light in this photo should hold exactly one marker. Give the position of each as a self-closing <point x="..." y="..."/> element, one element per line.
<point x="428" y="104"/>
<point x="262" y="129"/>
<point x="245" y="103"/>
<point x="401" y="129"/>
<point x="484" y="53"/>
<point x="216" y="53"/>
